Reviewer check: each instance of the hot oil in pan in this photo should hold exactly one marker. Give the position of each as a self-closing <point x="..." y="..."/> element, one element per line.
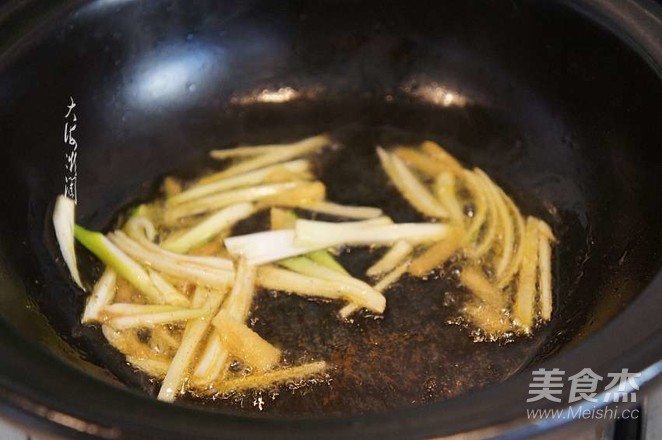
<point x="410" y="355"/>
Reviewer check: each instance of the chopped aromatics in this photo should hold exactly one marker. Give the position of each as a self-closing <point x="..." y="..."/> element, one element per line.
<point x="409" y="186"/>
<point x="525" y="297"/>
<point x="153" y="367"/>
<point x="514" y="264"/>
<point x="248" y="151"/>
<point x="291" y="151"/>
<point x="355" y="212"/>
<point x="387" y="281"/>
<point x="171" y="186"/>
<point x="121" y="263"/>
<point x="156" y="318"/>
<point x="308" y="267"/>
<point x="140" y="228"/>
<point x="473" y="185"/>
<point x="475" y="281"/>
<point x="271" y="378"/>
<point x="282" y="219"/>
<point x="394" y="256"/>
<point x="177" y="289"/>
<point x="393" y="276"/>
<point x="438" y="253"/>
<point x="211" y="362"/>
<point x="273" y="278"/>
<point x="325" y="234"/>
<point x="507" y="235"/>
<point x="286" y="219"/>
<point x="168" y="291"/>
<point x="267" y="247"/>
<point x="170" y="266"/>
<point x="205" y="262"/>
<point x="127" y="342"/>
<point x="195" y="331"/>
<point x="221" y="200"/>
<point x="493" y="323"/>
<point x="348" y="309"/>
<point x="545" y="270"/>
<point x="63" y="222"/>
<point x="441" y="156"/>
<point x="486" y="310"/>
<point x="130" y="309"/>
<point x="145" y="240"/>
<point x="326" y="259"/>
<point x="300" y="196"/>
<point x="239" y="301"/>
<point x="209" y="227"/>
<point x="142" y="210"/>
<point x="420" y="161"/>
<point x="162" y="339"/>
<point x="215" y="355"/>
<point x="446" y="193"/>
<point x="484" y="244"/>
<point x="102" y="295"/>
<point x="244" y="343"/>
<point x="294" y="170"/>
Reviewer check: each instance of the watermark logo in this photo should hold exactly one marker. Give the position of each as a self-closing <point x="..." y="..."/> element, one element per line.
<point x="549" y="384"/>
<point x="71" y="154"/>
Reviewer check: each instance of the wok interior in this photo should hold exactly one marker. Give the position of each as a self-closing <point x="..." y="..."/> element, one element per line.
<point x="561" y="114"/>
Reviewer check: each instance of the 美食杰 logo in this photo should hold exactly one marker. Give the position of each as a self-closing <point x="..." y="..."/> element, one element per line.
<point x="550" y="384"/>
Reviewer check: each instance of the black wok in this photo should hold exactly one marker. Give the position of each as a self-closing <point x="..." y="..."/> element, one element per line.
<point x="560" y="103"/>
